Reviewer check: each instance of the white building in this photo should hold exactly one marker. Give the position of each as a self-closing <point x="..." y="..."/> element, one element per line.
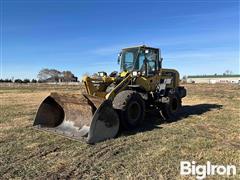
<point x="212" y="79"/>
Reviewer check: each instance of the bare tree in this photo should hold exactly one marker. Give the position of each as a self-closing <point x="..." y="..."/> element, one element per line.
<point x="53" y="75"/>
<point x="68" y="76"/>
<point x="45" y="74"/>
<point x="227" y="72"/>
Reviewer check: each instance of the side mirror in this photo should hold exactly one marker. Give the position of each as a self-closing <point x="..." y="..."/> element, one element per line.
<point x="145" y="66"/>
<point x="119" y="55"/>
<point x="160" y="63"/>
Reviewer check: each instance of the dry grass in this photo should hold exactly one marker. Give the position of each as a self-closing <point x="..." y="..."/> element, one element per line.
<point x="207" y="129"/>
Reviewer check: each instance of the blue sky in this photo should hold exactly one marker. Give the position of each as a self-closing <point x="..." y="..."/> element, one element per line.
<point x="195" y="37"/>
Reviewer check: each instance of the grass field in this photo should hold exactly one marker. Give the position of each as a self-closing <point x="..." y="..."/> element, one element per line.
<point x="208" y="129"/>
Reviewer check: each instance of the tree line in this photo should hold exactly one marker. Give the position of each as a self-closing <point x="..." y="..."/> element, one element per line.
<point x="18" y="81"/>
<point x="46" y="75"/>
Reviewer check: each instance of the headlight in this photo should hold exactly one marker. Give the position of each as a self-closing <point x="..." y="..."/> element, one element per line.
<point x="134" y="73"/>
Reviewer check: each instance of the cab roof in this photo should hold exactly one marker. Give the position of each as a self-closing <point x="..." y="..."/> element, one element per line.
<point x="141" y="46"/>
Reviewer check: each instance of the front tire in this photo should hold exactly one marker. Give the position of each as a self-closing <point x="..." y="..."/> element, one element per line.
<point x="170" y="110"/>
<point x="130" y="107"/>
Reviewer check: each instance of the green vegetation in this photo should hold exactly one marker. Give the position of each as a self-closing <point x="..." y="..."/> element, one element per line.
<point x="207" y="129"/>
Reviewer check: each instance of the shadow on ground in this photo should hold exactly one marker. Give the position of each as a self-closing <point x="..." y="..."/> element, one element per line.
<point x="153" y="119"/>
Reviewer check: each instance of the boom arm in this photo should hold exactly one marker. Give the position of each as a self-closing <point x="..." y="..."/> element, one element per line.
<point x="121" y="86"/>
<point x="102" y="82"/>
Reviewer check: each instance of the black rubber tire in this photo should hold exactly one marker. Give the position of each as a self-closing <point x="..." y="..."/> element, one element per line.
<point x="169" y="110"/>
<point x="130" y="107"/>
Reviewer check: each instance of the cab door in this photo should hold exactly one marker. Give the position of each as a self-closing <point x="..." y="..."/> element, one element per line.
<point x="148" y="61"/>
<point x="152" y="75"/>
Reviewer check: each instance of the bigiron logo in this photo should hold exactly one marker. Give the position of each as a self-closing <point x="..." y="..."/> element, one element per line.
<point x="202" y="171"/>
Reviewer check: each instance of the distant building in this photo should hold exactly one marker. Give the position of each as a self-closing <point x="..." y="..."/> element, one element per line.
<point x="212" y="79"/>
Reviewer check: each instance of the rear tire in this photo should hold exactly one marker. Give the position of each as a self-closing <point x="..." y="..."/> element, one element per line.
<point x="130" y="107"/>
<point x="170" y="110"/>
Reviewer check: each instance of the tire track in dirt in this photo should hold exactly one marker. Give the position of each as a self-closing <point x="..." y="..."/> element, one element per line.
<point x="90" y="156"/>
<point x="101" y="153"/>
<point x="37" y="154"/>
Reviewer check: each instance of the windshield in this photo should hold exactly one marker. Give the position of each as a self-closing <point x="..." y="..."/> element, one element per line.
<point x="128" y="57"/>
<point x="138" y="58"/>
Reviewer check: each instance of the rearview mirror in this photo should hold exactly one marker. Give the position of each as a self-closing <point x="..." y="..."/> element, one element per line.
<point x="160" y="63"/>
<point x="119" y="55"/>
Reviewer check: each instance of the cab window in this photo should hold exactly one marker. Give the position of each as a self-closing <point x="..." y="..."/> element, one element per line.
<point x="150" y="56"/>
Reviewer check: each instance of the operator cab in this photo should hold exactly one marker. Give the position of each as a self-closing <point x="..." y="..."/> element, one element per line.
<point x="142" y="59"/>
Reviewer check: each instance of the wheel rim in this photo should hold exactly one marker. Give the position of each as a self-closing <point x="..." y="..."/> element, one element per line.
<point x="134" y="112"/>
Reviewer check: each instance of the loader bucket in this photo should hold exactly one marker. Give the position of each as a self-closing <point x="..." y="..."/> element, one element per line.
<point x="77" y="116"/>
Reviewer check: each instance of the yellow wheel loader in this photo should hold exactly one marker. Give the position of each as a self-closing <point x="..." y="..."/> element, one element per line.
<point x="120" y="99"/>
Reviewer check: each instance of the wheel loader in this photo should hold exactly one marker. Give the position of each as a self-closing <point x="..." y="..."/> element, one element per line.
<point x="115" y="100"/>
